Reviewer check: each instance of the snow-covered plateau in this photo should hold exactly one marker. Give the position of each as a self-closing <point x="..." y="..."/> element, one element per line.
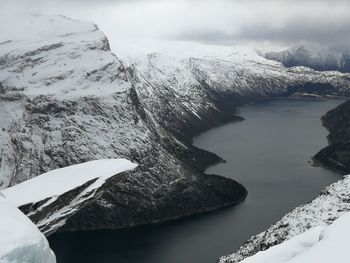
<point x="65" y="99"/>
<point x="20" y="240"/>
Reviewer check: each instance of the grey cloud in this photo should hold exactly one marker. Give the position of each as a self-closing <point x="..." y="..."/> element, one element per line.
<point x="283" y="22"/>
<point x="316" y="26"/>
<point x="332" y="37"/>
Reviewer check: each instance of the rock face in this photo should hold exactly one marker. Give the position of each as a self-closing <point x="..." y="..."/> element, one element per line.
<point x="337" y="155"/>
<point x="315" y="59"/>
<point x="67" y="99"/>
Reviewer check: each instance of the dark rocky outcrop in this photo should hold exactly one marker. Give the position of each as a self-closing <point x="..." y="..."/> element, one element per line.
<point x="336" y="155"/>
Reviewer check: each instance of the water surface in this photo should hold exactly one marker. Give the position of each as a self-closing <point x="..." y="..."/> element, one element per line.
<point x="269" y="153"/>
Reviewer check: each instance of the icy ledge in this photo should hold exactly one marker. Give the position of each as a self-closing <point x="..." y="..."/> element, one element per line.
<point x="51" y="198"/>
<point x="60" y="181"/>
<point x="20" y="240"/>
<point x="319" y="244"/>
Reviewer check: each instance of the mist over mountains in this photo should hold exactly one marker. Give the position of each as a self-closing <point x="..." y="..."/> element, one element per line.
<point x="272" y="25"/>
<point x="313" y="57"/>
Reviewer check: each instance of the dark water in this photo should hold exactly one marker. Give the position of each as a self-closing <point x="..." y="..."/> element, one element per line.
<point x="269" y="153"/>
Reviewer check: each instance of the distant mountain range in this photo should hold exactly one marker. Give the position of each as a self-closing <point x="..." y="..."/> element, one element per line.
<point x="318" y="59"/>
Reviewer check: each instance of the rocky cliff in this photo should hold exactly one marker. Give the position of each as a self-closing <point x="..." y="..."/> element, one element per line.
<point x="337" y="154"/>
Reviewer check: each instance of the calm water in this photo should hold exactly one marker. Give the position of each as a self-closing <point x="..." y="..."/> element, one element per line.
<point x="268" y="153"/>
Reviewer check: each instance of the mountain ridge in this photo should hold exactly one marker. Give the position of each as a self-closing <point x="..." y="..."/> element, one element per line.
<point x="312" y="57"/>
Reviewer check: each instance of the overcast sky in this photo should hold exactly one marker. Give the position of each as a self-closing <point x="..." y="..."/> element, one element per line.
<point x="253" y="22"/>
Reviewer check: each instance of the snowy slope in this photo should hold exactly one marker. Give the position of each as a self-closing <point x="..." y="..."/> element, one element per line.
<point x="203" y="77"/>
<point x="20" y="239"/>
<point x="136" y="50"/>
<point x="64" y="190"/>
<point x="42" y="55"/>
<point x="332" y="203"/>
<point x="319" y="244"/>
<point x="225" y="68"/>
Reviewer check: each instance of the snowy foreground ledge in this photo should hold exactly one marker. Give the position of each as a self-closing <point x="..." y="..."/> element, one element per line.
<point x="49" y="199"/>
<point x="20" y="240"/>
<point x="60" y="181"/>
<point x="318" y="244"/>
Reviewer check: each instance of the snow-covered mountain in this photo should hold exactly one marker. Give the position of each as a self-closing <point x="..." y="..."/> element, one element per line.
<point x="20" y="239"/>
<point x="313" y="57"/>
<point x="67" y="99"/>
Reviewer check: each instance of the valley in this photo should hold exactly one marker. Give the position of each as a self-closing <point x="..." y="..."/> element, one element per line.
<point x="274" y="165"/>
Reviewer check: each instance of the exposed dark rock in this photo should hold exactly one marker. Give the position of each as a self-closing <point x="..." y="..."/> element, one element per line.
<point x="336" y="155"/>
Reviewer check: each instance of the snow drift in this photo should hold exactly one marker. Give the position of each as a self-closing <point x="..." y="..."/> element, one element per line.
<point x="20" y="239"/>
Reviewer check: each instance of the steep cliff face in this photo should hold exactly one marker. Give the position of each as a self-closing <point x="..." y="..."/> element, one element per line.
<point x="66" y="99"/>
<point x="337" y="154"/>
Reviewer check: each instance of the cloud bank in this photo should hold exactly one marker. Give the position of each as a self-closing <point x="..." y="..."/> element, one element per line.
<point x="253" y="22"/>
